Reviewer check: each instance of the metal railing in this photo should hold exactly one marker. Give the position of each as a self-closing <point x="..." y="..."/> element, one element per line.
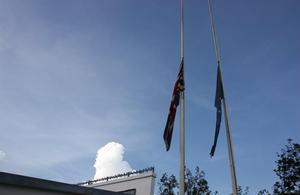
<point x="128" y="174"/>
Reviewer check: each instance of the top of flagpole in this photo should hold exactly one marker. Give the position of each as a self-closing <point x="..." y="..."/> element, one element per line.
<point x="214" y="31"/>
<point x="181" y="29"/>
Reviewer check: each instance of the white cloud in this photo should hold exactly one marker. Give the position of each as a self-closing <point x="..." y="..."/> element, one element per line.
<point x="109" y="161"/>
<point x="2" y="155"/>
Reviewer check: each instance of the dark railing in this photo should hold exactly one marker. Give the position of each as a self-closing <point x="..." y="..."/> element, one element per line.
<point x="128" y="174"/>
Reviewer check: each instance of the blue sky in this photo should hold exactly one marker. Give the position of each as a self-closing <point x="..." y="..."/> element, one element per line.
<point x="75" y="75"/>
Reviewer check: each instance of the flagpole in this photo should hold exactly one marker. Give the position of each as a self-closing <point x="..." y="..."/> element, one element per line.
<point x="228" y="133"/>
<point x="229" y="142"/>
<point x="230" y="149"/>
<point x="182" y="125"/>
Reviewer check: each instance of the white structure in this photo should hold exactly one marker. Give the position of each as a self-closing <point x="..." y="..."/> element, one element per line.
<point x="134" y="183"/>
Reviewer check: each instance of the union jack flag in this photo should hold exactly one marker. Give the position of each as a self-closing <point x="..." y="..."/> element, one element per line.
<point x="178" y="88"/>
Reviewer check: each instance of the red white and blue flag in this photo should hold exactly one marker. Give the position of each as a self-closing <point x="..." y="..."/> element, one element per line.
<point x="178" y="88"/>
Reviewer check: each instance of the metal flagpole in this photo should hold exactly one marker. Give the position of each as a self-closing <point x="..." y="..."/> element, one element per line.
<point x="182" y="136"/>
<point x="229" y="143"/>
<point x="228" y="134"/>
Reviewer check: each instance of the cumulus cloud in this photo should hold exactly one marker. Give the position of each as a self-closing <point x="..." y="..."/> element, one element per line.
<point x="2" y="155"/>
<point x="109" y="161"/>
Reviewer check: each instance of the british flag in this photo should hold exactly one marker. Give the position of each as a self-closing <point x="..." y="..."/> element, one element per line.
<point x="178" y="88"/>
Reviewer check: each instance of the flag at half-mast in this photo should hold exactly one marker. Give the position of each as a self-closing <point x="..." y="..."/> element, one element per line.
<point x="218" y="104"/>
<point x="178" y="88"/>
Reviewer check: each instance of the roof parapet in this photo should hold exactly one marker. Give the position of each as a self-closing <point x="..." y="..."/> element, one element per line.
<point x="128" y="174"/>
